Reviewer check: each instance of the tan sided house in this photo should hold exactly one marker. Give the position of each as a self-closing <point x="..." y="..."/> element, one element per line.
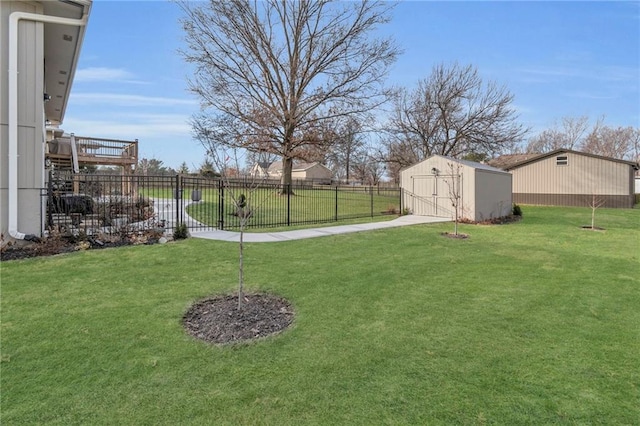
<point x="315" y="172"/>
<point x="571" y="178"/>
<point x="428" y="187"/>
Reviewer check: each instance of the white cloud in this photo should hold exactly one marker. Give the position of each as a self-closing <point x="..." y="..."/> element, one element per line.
<point x="124" y="100"/>
<point x="583" y="94"/>
<point x="93" y="74"/>
<point x="149" y="126"/>
<point x="166" y="137"/>
<point x="603" y="73"/>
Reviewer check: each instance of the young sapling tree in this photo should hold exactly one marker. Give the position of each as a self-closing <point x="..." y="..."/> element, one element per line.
<point x="246" y="195"/>
<point x="595" y="203"/>
<point x="453" y="181"/>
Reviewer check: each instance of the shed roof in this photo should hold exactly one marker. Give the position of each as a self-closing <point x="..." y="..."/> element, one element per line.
<point x="472" y="164"/>
<point x="509" y="160"/>
<point x="569" y="151"/>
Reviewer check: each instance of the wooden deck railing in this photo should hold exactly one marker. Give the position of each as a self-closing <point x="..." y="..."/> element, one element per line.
<point x="96" y="151"/>
<point x="106" y="151"/>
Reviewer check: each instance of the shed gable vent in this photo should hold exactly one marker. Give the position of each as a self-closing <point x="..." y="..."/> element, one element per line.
<point x="562" y="160"/>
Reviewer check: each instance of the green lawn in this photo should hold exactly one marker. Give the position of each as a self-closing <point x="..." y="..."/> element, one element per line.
<point x="536" y="322"/>
<point x="323" y="204"/>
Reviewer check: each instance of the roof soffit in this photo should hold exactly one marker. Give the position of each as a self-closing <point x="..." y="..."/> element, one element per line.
<point x="62" y="45"/>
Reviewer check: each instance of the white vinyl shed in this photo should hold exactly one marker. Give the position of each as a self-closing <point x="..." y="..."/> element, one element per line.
<point x="429" y="187"/>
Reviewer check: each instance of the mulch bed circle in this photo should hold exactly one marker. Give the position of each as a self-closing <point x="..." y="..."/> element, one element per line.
<point x="218" y="320"/>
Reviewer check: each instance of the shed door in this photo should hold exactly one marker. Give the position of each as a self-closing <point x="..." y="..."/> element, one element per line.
<point x="430" y="196"/>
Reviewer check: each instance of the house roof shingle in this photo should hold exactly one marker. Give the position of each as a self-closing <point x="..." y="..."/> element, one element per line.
<point x="276" y="166"/>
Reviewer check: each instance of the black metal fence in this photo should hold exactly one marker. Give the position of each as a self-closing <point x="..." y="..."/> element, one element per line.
<point x="95" y="203"/>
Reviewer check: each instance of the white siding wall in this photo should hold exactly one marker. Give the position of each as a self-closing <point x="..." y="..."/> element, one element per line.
<point x="30" y="117"/>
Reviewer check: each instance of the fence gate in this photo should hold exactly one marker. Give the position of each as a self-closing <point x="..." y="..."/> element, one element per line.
<point x="197" y="202"/>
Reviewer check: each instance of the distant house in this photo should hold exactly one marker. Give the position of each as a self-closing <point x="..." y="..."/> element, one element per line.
<point x="260" y="169"/>
<point x="485" y="191"/>
<point x="315" y="172"/>
<point x="571" y="178"/>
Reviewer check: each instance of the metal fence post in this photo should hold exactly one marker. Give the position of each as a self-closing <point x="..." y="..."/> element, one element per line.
<point x="336" y="203"/>
<point x="371" y="197"/>
<point x="220" y="205"/>
<point x="288" y="188"/>
<point x="177" y="196"/>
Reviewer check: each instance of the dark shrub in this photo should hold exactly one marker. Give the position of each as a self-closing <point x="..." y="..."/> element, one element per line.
<point x="517" y="211"/>
<point x="180" y="232"/>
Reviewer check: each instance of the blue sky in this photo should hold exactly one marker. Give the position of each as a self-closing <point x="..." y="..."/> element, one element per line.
<point x="558" y="59"/>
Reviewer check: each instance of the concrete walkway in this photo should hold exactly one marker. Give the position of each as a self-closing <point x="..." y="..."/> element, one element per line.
<point x="271" y="237"/>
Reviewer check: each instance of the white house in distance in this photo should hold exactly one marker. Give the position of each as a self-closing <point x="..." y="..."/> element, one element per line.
<point x="41" y="43"/>
<point x="484" y="191"/>
<point x="314" y="172"/>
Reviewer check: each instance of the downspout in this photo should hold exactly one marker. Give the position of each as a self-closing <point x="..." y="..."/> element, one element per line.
<point x="14" y="20"/>
<point x="74" y="154"/>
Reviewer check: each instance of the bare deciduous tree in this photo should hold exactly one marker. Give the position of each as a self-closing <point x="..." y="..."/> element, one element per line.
<point x="611" y="142"/>
<point x="347" y="148"/>
<point x="635" y="145"/>
<point x="573" y="133"/>
<point x="278" y="68"/>
<point x="366" y="167"/>
<point x="452" y="113"/>
<point x="568" y="135"/>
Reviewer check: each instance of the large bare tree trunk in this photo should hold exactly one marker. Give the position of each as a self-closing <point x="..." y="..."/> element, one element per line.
<point x="270" y="73"/>
<point x="287" y="169"/>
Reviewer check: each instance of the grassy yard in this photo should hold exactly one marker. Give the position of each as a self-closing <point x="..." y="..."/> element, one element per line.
<point x="535" y="322"/>
<point x="269" y="208"/>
